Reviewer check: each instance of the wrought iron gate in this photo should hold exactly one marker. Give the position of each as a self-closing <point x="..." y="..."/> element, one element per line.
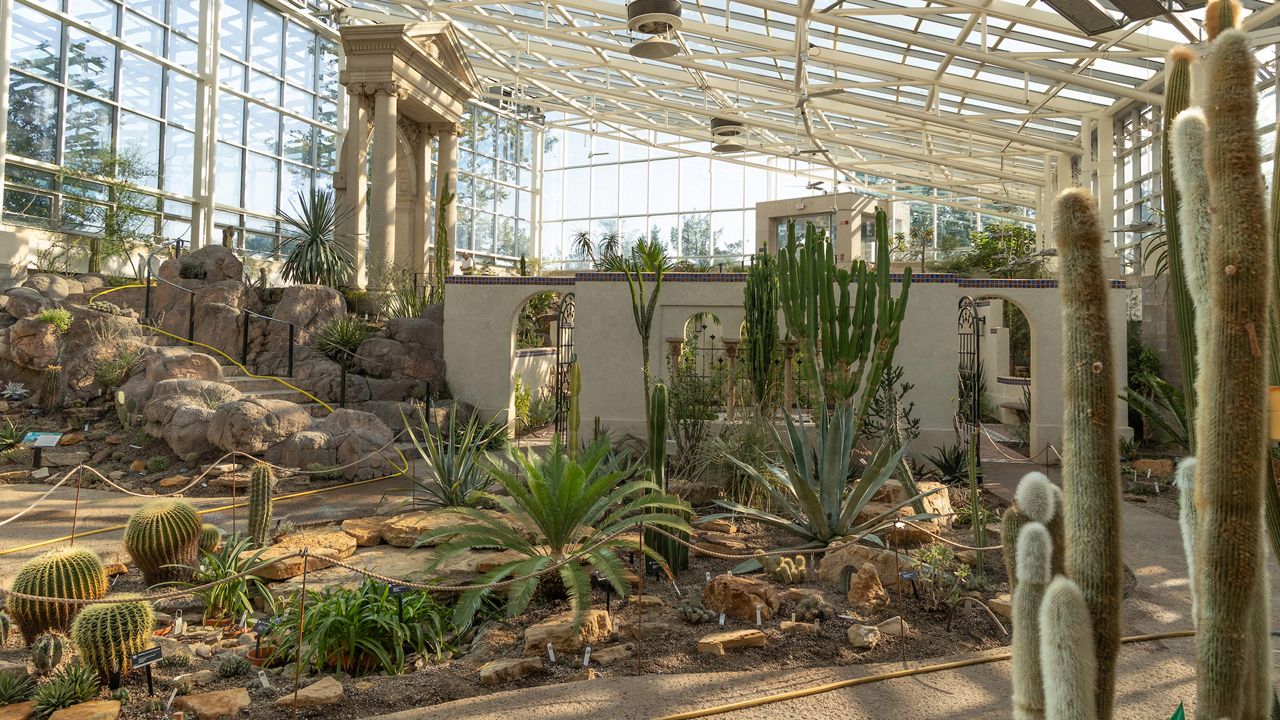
<point x="969" y="393"/>
<point x="565" y="357"/>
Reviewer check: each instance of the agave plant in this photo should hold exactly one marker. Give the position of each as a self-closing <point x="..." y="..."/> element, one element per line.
<point x="556" y="508"/>
<point x="232" y="566"/>
<point x="1163" y="407"/>
<point x="316" y="257"/>
<point x="457" y="461"/>
<point x="811" y="489"/>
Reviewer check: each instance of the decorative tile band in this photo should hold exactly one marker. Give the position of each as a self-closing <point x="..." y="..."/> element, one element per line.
<point x="535" y="352"/>
<point x="668" y="277"/>
<point x="1010" y="380"/>
<point x="508" y="280"/>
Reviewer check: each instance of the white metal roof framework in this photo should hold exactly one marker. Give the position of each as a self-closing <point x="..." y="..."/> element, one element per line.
<point x="973" y="96"/>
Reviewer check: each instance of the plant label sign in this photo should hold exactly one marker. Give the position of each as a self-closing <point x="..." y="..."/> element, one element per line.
<point x="147" y="657"/>
<point x="907" y="575"/>
<point x="400" y="589"/>
<point x="262" y="627"/>
<point x="41" y="439"/>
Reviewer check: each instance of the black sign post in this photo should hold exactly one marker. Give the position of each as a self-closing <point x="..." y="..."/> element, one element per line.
<point x="399" y="591"/>
<point x="260" y="628"/>
<point x="146" y="659"/>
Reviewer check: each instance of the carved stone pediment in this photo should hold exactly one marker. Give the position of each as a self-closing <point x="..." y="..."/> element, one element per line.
<point x="425" y="61"/>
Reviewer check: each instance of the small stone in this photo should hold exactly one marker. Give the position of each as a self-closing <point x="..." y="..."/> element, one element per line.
<point x="498" y="672"/>
<point x="866" y="594"/>
<point x="138" y="466"/>
<point x="646" y="630"/>
<point x="798" y="628"/>
<point x="795" y="594"/>
<point x="560" y="634"/>
<point x="587" y="673"/>
<point x="116" y="568"/>
<point x="1002" y="605"/>
<point x="200" y="677"/>
<point x="720" y="525"/>
<point x="18" y="711"/>
<point x="611" y="654"/>
<point x="216" y="704"/>
<point x="718" y="643"/>
<point x="115" y="439"/>
<point x="738" y="597"/>
<point x="864" y="637"/>
<point x="15" y="475"/>
<point x="101" y="455"/>
<point x="71" y="438"/>
<point x="648" y="601"/>
<point x="893" y="626"/>
<point x="116" y="474"/>
<point x="174" y="481"/>
<point x="223" y="469"/>
<point x="366" y="530"/>
<point x="202" y="651"/>
<point x="92" y="710"/>
<point x="325" y="691"/>
<point x="40" y="473"/>
<point x="229" y="482"/>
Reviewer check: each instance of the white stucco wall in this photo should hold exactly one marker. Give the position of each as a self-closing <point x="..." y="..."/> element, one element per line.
<point x="480" y="315"/>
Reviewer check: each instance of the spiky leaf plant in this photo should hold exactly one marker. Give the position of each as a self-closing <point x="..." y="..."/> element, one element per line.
<point x="72" y="573"/>
<point x="556" y="508"/>
<point x="456" y="459"/>
<point x="231" y="568"/>
<point x="16" y="688"/>
<point x="72" y="685"/>
<point x="316" y="256"/>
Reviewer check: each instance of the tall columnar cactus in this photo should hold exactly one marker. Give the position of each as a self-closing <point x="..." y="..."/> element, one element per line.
<point x="1177" y="96"/>
<point x="260" y="482"/>
<point x="107" y="635"/>
<point x="1184" y="478"/>
<point x="760" y="346"/>
<point x="676" y="554"/>
<point x="51" y="389"/>
<point x="73" y="573"/>
<point x="163" y="538"/>
<point x="1067" y="660"/>
<point x="1091" y="453"/>
<point x="1034" y="573"/>
<point x="48" y="651"/>
<point x="1011" y="524"/>
<point x="575" y="411"/>
<point x="1233" y="671"/>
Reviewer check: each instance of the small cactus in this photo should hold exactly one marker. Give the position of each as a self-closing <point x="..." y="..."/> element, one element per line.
<point x="107" y="635"/>
<point x="6" y="625"/>
<point x="51" y="389"/>
<point x="210" y="537"/>
<point x="1034" y="550"/>
<point x="785" y="570"/>
<point x="693" y="612"/>
<point x="260" y="483"/>
<point x="123" y="696"/>
<point x="163" y="538"/>
<point x="234" y="666"/>
<point x="125" y="407"/>
<point x="814" y="607"/>
<point x="73" y="573"/>
<point x="1066" y="654"/>
<point x="48" y="651"/>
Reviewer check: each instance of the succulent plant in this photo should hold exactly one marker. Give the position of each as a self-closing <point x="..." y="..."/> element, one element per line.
<point x="693" y="612"/>
<point x="163" y="538"/>
<point x="49" y="650"/>
<point x="814" y="607"/>
<point x="122" y="695"/>
<point x="51" y="389"/>
<point x="16" y="688"/>
<point x="785" y="570"/>
<point x="72" y="685"/>
<point x="6" y="625"/>
<point x="210" y="537"/>
<point x="675" y="554"/>
<point x="234" y="666"/>
<point x="107" y="635"/>
<point x="260" y="482"/>
<point x="125" y="407"/>
<point x="1033" y="567"/>
<point x="72" y="573"/>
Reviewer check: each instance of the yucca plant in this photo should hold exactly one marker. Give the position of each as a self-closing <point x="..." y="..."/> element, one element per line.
<point x="339" y="338"/>
<point x="1164" y="408"/>
<point x="556" y="507"/>
<point x="231" y="598"/>
<point x="457" y="461"/>
<point x="811" y="490"/>
<point x="316" y="257"/>
<point x="951" y="460"/>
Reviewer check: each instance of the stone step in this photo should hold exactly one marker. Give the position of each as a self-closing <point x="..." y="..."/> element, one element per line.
<point x="247" y="384"/>
<point x="283" y="393"/>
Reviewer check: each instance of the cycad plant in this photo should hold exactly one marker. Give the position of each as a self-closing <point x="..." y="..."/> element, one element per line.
<point x="316" y="257"/>
<point x="556" y="508"/>
<point x="457" y="461"/>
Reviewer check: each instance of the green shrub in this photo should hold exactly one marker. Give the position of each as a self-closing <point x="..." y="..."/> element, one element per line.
<point x="60" y="318"/>
<point x="70" y="686"/>
<point x="941" y="578"/>
<point x="234" y="597"/>
<point x="111" y="371"/>
<point x="157" y="463"/>
<point x="951" y="460"/>
<point x="16" y="688"/>
<point x="339" y="338"/>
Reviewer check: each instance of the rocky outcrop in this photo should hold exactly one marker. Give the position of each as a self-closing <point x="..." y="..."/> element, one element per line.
<point x="251" y="425"/>
<point x="739" y="597"/>
<point x="840" y="565"/>
<point x="167" y="363"/>
<point x="181" y="410"/>
<point x="211" y="263"/>
<point x="34" y="343"/>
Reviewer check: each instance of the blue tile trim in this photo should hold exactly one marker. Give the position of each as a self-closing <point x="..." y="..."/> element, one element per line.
<point x="508" y="280"/>
<point x="1009" y="380"/>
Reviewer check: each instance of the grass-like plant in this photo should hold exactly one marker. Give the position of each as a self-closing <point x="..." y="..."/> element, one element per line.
<point x="316" y="257"/>
<point x="951" y="460"/>
<point x="555" y="508"/>
<point x="231" y="598"/>
<point x="60" y="318"/>
<point x="456" y="458"/>
<point x="811" y="490"/>
<point x="72" y="685"/>
<point x="341" y="337"/>
<point x="16" y="688"/>
<point x="360" y="631"/>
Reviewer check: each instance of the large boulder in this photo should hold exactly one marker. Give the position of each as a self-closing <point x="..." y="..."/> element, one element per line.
<point x="54" y="287"/>
<point x="180" y="412"/>
<point x="320" y="376"/>
<point x="211" y="392"/>
<point x="211" y="263"/>
<point x="96" y="338"/>
<point x="220" y="325"/>
<point x="34" y="343"/>
<point x="560" y="632"/>
<point x="361" y="442"/>
<point x="842" y="564"/>
<point x="308" y="307"/>
<point x="252" y="425"/>
<point x="167" y="363"/>
<point x="739" y="597"/>
<point x="24" y="302"/>
<point x="303" y="449"/>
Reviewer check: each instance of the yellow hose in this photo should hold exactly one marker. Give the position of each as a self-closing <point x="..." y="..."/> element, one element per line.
<point x="866" y="680"/>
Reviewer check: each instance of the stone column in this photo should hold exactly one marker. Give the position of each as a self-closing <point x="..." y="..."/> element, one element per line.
<point x="382" y="216"/>
<point x="353" y="182"/>
<point x="415" y="254"/>
<point x="448" y="171"/>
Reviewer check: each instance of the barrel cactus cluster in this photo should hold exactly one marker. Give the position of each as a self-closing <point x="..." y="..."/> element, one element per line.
<point x="71" y="573"/>
<point x="107" y="635"/>
<point x="163" y="538"/>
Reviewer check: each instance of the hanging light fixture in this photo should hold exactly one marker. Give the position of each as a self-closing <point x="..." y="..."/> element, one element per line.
<point x="659" y="18"/>
<point x="654" y="48"/>
<point x="727" y="135"/>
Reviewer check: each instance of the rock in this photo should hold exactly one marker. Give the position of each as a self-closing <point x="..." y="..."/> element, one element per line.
<point x="912" y="533"/>
<point x="404" y="530"/>
<point x="718" y="643"/>
<point x="587" y="673"/>
<point x="938" y="503"/>
<point x="321" y="544"/>
<point x="559" y="632"/>
<point x="893" y="626"/>
<point x="308" y="307"/>
<point x="795" y="594"/>
<point x="13" y="668"/>
<point x="866" y="594"/>
<point x="72" y="438"/>
<point x="798" y="628"/>
<point x="167" y="363"/>
<point x="323" y="692"/>
<point x="18" y="711"/>
<point x="24" y="302"/>
<point x="864" y="637"/>
<point x="720" y="525"/>
<point x="1002" y="605"/>
<point x="65" y="458"/>
<point x="611" y="654"/>
<point x="197" y="678"/>
<point x="839" y="565"/>
<point x="116" y="568"/>
<point x="498" y="672"/>
<point x="357" y="437"/>
<point x="92" y="710"/>
<point x="33" y="343"/>
<point x="174" y="481"/>
<point x="1157" y="467"/>
<point x="366" y="531"/>
<point x="138" y="466"/>
<point x="216" y="704"/>
<point x="202" y="650"/>
<point x="646" y="630"/>
<point x="210" y="263"/>
<point x="647" y="601"/>
<point x="187" y="430"/>
<point x="40" y="473"/>
<point x="737" y="597"/>
<point x="251" y="425"/>
<point x="54" y="287"/>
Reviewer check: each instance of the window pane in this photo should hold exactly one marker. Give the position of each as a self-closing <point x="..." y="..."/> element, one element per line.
<point x="263" y="132"/>
<point x="182" y="99"/>
<point x="179" y="161"/>
<point x="233" y="27"/>
<point x="140" y="31"/>
<point x="299" y="139"/>
<point x="260" y="180"/>
<point x="91" y="64"/>
<point x="139" y="141"/>
<point x="552" y="182"/>
<point x="664" y="195"/>
<point x="36" y="43"/>
<point x="578" y="199"/>
<point x="297" y="179"/>
<point x="264" y="87"/>
<point x="33" y="118"/>
<point x="99" y="13"/>
<point x="88" y="131"/>
<point x="228" y="178"/>
<point x="184" y="52"/>
<point x="327" y="151"/>
<point x="230" y="118"/>
<point x="231" y="73"/>
<point x="604" y="191"/>
<point x="300" y="56"/>
<point x="633" y="185"/>
<point x="267" y="37"/>
<point x="141" y="91"/>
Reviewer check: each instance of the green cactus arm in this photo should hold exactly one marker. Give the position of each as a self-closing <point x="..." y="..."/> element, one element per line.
<point x="1067" y="660"/>
<point x="1034" y="548"/>
<point x="1178" y="231"/>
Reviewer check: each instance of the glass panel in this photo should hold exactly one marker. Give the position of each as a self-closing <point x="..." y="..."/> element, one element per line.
<point x="230" y="162"/>
<point x="231" y="73"/>
<point x="263" y="130"/>
<point x="36" y="43"/>
<point x="154" y="8"/>
<point x="552" y="183"/>
<point x="464" y="229"/>
<point x="182" y="99"/>
<point x="327" y="151"/>
<point x="299" y="140"/>
<point x="91" y="64"/>
<point x="578" y="199"/>
<point x="230" y="118"/>
<point x="99" y="13"/>
<point x="633" y="185"/>
<point x="267" y="37"/>
<point x="604" y="191"/>
<point x="299" y="101"/>
<point x="260" y="179"/>
<point x="264" y="87"/>
<point x="664" y="189"/>
<point x="140" y="142"/>
<point x="88" y="131"/>
<point x="186" y="18"/>
<point x="184" y="52"/>
<point x="143" y="33"/>
<point x="179" y="161"/>
<point x="234" y="34"/>
<point x="297" y="179"/>
<point x="141" y="91"/>
<point x="33" y="118"/>
<point x="300" y="56"/>
<point x="482" y="232"/>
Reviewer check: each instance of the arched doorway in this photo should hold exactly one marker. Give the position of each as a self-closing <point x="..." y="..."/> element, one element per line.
<point x="536" y="375"/>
